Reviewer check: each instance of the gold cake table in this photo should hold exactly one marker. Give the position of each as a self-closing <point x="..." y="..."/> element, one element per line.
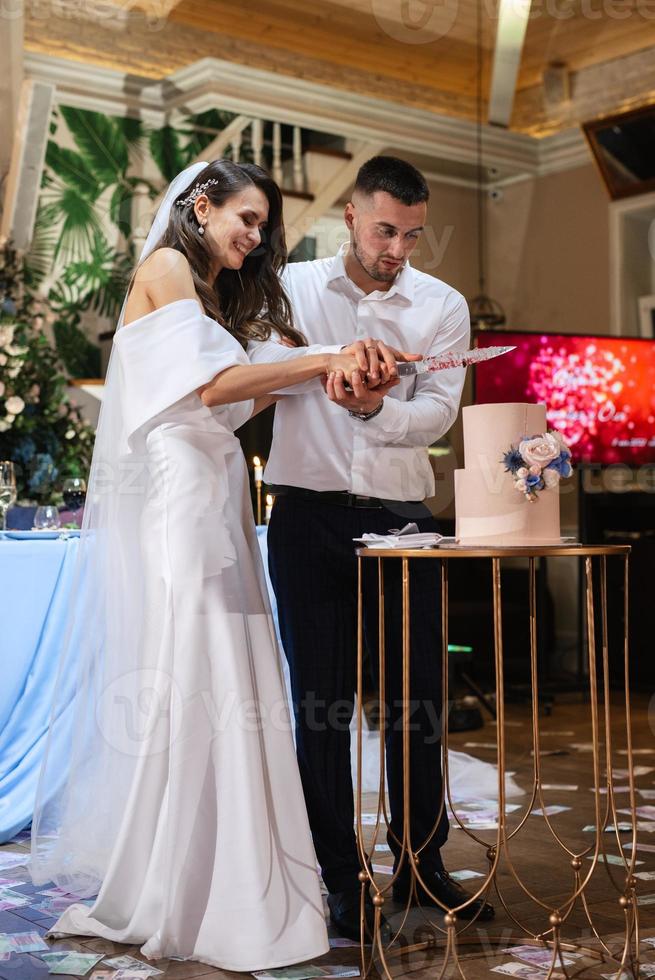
<point x="446" y="932"/>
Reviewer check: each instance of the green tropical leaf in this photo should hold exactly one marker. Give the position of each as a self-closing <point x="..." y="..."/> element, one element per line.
<point x="64" y="299"/>
<point x="72" y="168"/>
<point x="133" y="129"/>
<point x="100" y="140"/>
<point x="134" y="132"/>
<point x="167" y="152"/>
<point x="99" y="283"/>
<point x="120" y="208"/>
<point x="81" y="357"/>
<point x="38" y="261"/>
<point x="77" y="220"/>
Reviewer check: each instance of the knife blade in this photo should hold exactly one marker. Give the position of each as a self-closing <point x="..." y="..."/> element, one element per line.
<point x="449" y="359"/>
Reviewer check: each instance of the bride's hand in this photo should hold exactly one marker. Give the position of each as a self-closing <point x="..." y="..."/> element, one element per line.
<point x="344" y="362"/>
<point x="377" y="360"/>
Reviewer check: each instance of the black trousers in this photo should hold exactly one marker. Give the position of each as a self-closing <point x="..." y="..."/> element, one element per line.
<point x="313" y="568"/>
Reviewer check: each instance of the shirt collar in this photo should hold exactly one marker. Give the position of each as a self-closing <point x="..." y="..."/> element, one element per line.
<point x="403" y="284"/>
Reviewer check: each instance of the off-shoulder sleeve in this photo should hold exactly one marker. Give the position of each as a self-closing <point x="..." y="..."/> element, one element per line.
<point x="166" y="355"/>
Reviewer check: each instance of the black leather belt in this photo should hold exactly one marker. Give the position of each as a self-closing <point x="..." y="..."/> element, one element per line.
<point x="340" y="497"/>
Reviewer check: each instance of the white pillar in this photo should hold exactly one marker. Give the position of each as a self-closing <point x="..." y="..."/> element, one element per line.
<point x="236" y="147"/>
<point x="11" y="77"/>
<point x="257" y="139"/>
<point x="277" y="153"/>
<point x="298" y="177"/>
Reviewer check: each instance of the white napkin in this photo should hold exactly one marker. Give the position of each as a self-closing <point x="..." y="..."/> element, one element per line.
<point x="406" y="537"/>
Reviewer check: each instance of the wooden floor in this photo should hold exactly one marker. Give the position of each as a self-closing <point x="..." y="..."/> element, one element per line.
<point x="542" y="865"/>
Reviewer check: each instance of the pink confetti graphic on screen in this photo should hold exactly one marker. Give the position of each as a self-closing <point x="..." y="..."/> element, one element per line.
<point x="599" y="391"/>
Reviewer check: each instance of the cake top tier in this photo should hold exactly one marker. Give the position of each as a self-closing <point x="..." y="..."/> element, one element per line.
<point x="490" y="430"/>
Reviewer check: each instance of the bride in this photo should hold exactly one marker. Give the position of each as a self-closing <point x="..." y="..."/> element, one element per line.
<point x="173" y="794"/>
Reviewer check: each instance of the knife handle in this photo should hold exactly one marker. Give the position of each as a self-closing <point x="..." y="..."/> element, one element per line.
<point x="407" y="369"/>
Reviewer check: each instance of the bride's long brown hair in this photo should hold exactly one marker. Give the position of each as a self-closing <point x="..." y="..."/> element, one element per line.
<point x="250" y="302"/>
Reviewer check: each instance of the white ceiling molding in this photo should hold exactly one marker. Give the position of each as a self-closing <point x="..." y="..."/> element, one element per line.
<point x="563" y="151"/>
<point x="511" y="26"/>
<point x="211" y="83"/>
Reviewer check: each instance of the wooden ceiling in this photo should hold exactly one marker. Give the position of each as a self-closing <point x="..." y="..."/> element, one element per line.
<point x="416" y="52"/>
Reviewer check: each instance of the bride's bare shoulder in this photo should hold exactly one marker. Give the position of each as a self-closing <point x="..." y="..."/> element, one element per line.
<point x="164" y="277"/>
<point x="164" y="262"/>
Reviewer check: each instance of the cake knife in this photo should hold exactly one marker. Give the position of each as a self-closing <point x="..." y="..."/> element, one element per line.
<point x="449" y="359"/>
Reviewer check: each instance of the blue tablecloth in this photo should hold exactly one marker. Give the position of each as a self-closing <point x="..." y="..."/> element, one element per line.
<point x="35" y="583"/>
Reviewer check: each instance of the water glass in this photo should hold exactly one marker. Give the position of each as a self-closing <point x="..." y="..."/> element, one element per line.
<point x="7" y="490"/>
<point x="46" y="518"/>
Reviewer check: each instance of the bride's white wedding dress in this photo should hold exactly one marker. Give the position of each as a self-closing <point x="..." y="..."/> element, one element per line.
<point x="213" y="858"/>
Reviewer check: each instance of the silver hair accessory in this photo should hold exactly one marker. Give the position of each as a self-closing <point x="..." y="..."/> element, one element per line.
<point x="196" y="192"/>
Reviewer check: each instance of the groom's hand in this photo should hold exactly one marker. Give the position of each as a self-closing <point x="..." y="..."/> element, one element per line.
<point x="377" y="360"/>
<point x="361" y="398"/>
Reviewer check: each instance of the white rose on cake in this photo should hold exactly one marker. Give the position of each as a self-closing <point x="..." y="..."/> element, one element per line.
<point x="540" y="450"/>
<point x="551" y="478"/>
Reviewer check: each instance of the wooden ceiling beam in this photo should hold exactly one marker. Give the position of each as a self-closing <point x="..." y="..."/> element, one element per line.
<point x="348" y="41"/>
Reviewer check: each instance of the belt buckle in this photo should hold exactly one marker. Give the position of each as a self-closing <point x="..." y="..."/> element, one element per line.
<point x="361" y="500"/>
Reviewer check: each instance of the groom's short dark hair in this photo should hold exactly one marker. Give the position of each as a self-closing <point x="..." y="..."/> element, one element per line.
<point x="396" y="177"/>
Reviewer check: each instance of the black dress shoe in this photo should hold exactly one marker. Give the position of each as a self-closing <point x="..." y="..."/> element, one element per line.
<point x="448" y="891"/>
<point x="345" y="915"/>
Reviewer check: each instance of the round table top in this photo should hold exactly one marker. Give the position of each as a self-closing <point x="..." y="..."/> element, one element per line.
<point x="448" y="551"/>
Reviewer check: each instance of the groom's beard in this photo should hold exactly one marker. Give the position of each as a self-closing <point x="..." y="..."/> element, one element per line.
<point x="373" y="269"/>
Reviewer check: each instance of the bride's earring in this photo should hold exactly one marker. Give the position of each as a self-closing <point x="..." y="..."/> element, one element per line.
<point x="240" y="279"/>
<point x="201" y="229"/>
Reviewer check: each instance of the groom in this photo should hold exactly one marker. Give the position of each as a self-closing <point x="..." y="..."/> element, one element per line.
<point x="342" y="465"/>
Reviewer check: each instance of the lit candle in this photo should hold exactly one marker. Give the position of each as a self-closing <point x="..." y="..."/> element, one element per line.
<point x="269" y="506"/>
<point x="259" y="469"/>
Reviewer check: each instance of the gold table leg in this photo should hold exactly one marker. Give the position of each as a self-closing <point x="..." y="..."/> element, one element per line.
<point x="449" y="935"/>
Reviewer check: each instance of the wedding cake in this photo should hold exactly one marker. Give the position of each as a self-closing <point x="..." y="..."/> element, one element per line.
<point x="508" y="491"/>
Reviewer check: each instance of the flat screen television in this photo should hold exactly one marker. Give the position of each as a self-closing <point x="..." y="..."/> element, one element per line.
<point x="599" y="391"/>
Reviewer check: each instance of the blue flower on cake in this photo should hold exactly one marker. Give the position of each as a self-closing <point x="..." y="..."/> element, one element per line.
<point x="538" y="463"/>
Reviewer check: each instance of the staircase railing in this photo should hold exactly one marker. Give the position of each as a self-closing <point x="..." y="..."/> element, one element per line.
<point x="268" y="153"/>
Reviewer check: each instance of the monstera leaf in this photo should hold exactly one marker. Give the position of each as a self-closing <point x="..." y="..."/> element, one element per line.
<point x="76" y="215"/>
<point x="101" y="141"/>
<point x="81" y="357"/>
<point x="38" y="261"/>
<point x="167" y="151"/>
<point x="133" y="130"/>
<point x="100" y="283"/>
<point x="72" y="169"/>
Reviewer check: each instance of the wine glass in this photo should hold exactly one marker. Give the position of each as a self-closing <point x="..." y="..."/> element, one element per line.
<point x="7" y="490"/>
<point x="74" y="492"/>
<point x="46" y="518"/>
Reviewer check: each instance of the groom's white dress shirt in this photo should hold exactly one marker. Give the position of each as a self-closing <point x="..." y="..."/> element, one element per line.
<point x="316" y="444"/>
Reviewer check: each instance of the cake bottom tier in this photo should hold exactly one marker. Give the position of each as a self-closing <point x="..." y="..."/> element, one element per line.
<point x="500" y="514"/>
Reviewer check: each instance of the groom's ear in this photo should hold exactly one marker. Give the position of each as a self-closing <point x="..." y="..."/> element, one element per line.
<point x="349" y="215"/>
